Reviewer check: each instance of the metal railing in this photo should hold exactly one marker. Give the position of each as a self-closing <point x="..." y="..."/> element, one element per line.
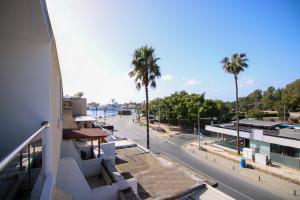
<point x="4" y="162"/>
<point x="23" y="163"/>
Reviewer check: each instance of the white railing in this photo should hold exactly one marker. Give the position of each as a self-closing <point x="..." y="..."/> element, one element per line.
<point x="5" y="161"/>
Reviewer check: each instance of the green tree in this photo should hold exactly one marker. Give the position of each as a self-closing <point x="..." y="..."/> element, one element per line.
<point x="291" y="95"/>
<point x="235" y="65"/>
<point x="268" y="98"/>
<point x="255" y="113"/>
<point x="145" y="71"/>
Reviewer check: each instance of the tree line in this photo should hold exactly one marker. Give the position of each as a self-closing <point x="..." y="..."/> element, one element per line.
<point x="258" y="102"/>
<point x="182" y="108"/>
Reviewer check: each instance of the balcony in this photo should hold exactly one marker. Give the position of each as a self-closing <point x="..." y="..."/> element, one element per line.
<point x="20" y="169"/>
<point x="91" y="176"/>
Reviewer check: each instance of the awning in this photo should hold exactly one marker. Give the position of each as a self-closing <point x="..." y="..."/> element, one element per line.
<point x="84" y="133"/>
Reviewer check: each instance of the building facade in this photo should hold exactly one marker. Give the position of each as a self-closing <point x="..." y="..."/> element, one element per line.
<point x="279" y="143"/>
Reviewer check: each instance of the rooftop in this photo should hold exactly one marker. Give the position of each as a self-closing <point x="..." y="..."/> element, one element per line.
<point x="83" y="133"/>
<point x="290" y="133"/>
<point x="158" y="177"/>
<point x="254" y="122"/>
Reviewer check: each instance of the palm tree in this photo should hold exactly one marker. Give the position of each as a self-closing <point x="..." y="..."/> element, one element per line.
<point x="235" y="65"/>
<point x="145" y="71"/>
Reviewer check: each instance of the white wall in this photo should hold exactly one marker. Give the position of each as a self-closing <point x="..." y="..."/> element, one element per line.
<point x="30" y="80"/>
<point x="264" y="138"/>
<point x="71" y="180"/>
<point x="282" y="141"/>
<point x="109" y="152"/>
<point x="227" y="131"/>
<point x="88" y="167"/>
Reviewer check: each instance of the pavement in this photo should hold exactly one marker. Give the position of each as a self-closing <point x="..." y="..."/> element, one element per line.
<point x="216" y="157"/>
<point x="232" y="185"/>
<point x="276" y="169"/>
<point x="283" y="172"/>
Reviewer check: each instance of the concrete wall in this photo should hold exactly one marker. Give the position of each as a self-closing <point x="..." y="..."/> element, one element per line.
<point x="88" y="167"/>
<point x="31" y="86"/>
<point x="68" y="120"/>
<point x="71" y="180"/>
<point x="78" y="106"/>
<point x="109" y="152"/>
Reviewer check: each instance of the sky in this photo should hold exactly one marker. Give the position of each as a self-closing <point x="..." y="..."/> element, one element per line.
<point x="96" y="40"/>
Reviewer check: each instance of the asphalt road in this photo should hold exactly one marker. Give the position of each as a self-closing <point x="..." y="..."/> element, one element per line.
<point x="232" y="186"/>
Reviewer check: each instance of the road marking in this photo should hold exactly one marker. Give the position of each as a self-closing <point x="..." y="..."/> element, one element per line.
<point x="247" y="197"/>
<point x="188" y="166"/>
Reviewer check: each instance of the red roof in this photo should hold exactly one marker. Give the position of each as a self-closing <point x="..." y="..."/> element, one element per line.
<point x="83" y="133"/>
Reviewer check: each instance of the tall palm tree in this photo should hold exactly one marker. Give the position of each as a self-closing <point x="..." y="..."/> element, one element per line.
<point x="236" y="64"/>
<point x="145" y="71"/>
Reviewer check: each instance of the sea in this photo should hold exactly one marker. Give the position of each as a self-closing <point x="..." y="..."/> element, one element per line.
<point x="100" y="113"/>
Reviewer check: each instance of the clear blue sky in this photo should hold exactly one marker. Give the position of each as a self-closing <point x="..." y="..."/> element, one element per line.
<point x="96" y="39"/>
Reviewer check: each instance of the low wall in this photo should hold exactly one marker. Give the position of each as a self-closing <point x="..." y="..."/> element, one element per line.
<point x="109" y="152"/>
<point x="71" y="180"/>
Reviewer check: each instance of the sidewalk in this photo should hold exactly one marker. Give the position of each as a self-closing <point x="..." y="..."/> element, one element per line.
<point x="258" y="176"/>
<point x="280" y="171"/>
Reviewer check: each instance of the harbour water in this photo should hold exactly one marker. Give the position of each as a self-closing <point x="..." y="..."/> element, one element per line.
<point x="100" y="113"/>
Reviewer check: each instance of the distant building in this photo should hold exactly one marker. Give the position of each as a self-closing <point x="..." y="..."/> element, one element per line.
<point x="79" y="106"/>
<point x="125" y="112"/>
<point x="273" y="139"/>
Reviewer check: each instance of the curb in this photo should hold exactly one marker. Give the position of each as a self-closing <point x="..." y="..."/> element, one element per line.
<point x="144" y="149"/>
<point x="254" y="167"/>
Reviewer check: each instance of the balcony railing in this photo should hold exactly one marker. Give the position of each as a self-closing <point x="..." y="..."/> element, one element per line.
<point x="20" y="168"/>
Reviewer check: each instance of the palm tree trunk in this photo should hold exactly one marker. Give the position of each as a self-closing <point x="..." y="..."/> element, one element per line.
<point x="237" y="115"/>
<point x="147" y="116"/>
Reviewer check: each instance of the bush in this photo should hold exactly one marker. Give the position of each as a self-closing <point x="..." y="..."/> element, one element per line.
<point x="295" y="120"/>
<point x="255" y="113"/>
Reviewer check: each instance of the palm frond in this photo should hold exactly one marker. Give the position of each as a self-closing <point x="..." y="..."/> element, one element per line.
<point x="153" y="84"/>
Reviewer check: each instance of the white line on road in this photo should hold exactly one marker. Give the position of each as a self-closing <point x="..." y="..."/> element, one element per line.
<point x="219" y="182"/>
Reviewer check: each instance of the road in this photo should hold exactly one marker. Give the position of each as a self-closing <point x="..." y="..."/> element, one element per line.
<point x="232" y="186"/>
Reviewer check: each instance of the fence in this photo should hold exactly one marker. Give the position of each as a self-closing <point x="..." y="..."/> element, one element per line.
<point x="287" y="160"/>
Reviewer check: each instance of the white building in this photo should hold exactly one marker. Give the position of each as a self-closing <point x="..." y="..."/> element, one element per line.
<point x="279" y="143"/>
<point x="34" y="162"/>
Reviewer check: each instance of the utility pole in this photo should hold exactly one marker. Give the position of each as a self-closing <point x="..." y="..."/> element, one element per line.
<point x="199" y="129"/>
<point x="284" y="113"/>
<point x="159" y="115"/>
